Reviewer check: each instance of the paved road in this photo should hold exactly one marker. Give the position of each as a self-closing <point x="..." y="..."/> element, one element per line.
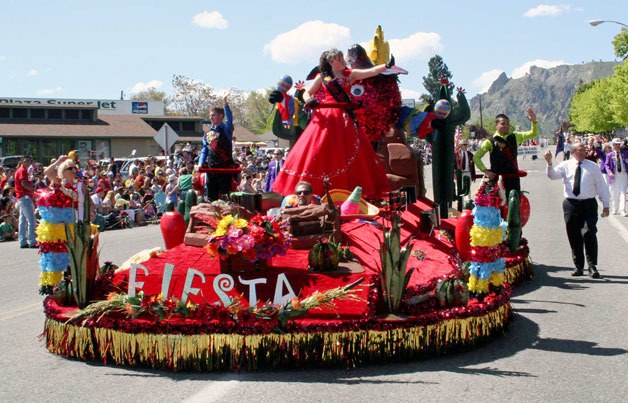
<point x="568" y="341"/>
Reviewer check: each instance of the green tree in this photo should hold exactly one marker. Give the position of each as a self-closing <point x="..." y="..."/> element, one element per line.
<point x="619" y="94"/>
<point x="191" y="97"/>
<point x="620" y="43"/>
<point x="152" y="94"/>
<point x="258" y="112"/>
<point x="237" y="103"/>
<point x="437" y="70"/>
<point x="591" y="110"/>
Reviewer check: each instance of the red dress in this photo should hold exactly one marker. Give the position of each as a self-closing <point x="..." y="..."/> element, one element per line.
<point x="332" y="146"/>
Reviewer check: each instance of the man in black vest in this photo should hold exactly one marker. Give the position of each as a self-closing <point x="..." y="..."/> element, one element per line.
<point x="217" y="151"/>
<point x="502" y="148"/>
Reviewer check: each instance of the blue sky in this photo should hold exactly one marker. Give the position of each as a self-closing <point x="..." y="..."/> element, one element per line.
<point x="89" y="49"/>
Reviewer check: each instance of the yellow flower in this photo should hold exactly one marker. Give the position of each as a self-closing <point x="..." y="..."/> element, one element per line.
<point x="220" y="231"/>
<point x="240" y="223"/>
<point x="225" y="221"/>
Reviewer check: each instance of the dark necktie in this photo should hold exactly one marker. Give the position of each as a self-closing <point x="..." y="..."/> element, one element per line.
<point x="618" y="163"/>
<point x="576" y="180"/>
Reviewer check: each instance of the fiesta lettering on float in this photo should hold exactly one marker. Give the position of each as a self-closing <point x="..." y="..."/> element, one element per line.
<point x="220" y="290"/>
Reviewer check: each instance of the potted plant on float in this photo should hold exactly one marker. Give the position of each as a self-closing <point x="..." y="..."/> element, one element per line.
<point x="246" y="244"/>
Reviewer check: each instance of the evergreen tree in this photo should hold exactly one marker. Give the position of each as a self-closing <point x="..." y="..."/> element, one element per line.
<point x="437" y="70"/>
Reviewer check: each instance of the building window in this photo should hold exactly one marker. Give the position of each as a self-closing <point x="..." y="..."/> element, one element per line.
<point x="176" y="126"/>
<point x="86" y="115"/>
<point x="155" y="124"/>
<point x="20" y="113"/>
<point x="38" y="114"/>
<point x="72" y="114"/>
<point x="187" y="126"/>
<point x="55" y="114"/>
<point x="5" y="113"/>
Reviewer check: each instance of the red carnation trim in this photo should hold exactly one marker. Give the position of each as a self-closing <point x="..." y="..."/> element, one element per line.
<point x="487" y="254"/>
<point x="57" y="247"/>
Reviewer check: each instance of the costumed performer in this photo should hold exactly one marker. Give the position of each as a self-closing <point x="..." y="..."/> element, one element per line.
<point x="502" y="148"/>
<point x="331" y="146"/>
<point x="217" y="151"/>
<point x="57" y="205"/>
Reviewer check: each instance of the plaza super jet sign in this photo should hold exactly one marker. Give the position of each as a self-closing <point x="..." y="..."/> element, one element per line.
<point x="105" y="106"/>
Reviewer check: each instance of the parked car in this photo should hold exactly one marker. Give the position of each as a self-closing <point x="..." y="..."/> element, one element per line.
<point x="10" y="161"/>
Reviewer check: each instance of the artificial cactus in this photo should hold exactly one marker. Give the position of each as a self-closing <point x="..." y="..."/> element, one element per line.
<point x="443" y="163"/>
<point x="451" y="292"/>
<point x="394" y="277"/>
<point x="514" y="221"/>
<point x="190" y="201"/>
<point x="323" y="256"/>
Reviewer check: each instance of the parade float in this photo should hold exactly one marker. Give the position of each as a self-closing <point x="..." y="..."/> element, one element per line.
<point x="386" y="281"/>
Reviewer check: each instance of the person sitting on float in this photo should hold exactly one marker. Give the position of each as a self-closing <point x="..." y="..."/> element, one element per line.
<point x="302" y="196"/>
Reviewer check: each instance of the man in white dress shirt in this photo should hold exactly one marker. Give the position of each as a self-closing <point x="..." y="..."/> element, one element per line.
<point x="582" y="181"/>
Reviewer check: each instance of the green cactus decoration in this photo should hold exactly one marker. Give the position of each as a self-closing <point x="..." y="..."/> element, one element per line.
<point x="181" y="207"/>
<point x="514" y="220"/>
<point x="190" y="201"/>
<point x="394" y="277"/>
<point x="443" y="162"/>
<point x="451" y="292"/>
<point x="83" y="253"/>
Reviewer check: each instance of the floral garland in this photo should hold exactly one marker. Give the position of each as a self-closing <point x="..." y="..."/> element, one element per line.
<point x="208" y="319"/>
<point x="156" y="308"/>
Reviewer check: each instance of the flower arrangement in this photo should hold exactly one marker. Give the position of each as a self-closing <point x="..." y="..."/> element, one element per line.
<point x="259" y="238"/>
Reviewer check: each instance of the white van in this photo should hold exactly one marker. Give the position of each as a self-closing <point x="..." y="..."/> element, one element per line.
<point x="262" y="151"/>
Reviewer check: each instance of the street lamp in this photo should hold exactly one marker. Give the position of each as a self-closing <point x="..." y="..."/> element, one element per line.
<point x="595" y="23"/>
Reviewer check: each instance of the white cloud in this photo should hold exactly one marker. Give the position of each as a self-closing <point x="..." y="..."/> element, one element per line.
<point x="49" y="91"/>
<point x="420" y="45"/>
<point x="144" y="86"/>
<point x="407" y="93"/>
<point x="32" y="72"/>
<point x="484" y="81"/>
<point x="525" y="68"/>
<point x="210" y="20"/>
<point x="544" y="10"/>
<point x="2" y="58"/>
<point x="306" y="42"/>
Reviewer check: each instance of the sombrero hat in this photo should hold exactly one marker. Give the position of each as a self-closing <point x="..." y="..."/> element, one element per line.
<point x="367" y="210"/>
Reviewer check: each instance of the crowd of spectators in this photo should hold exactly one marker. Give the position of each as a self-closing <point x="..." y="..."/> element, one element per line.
<point x="122" y="200"/>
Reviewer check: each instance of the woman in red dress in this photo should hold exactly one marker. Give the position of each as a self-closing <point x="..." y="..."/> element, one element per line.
<point x="332" y="146"/>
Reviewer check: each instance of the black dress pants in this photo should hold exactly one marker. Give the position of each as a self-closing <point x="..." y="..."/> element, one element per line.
<point x="217" y="186"/>
<point x="581" y="215"/>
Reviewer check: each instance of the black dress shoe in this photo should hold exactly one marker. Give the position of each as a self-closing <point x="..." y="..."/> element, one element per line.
<point x="577" y="272"/>
<point x="23" y="246"/>
<point x="593" y="272"/>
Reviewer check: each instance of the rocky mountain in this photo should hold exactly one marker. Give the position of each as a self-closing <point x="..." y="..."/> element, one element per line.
<point x="547" y="91"/>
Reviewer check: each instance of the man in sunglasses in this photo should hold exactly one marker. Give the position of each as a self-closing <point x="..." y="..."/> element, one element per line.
<point x="302" y="196"/>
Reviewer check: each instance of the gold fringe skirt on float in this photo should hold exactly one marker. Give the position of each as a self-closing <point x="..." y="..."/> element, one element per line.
<point x="228" y="352"/>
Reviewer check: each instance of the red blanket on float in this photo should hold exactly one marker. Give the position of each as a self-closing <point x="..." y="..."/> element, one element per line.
<point x="289" y="273"/>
